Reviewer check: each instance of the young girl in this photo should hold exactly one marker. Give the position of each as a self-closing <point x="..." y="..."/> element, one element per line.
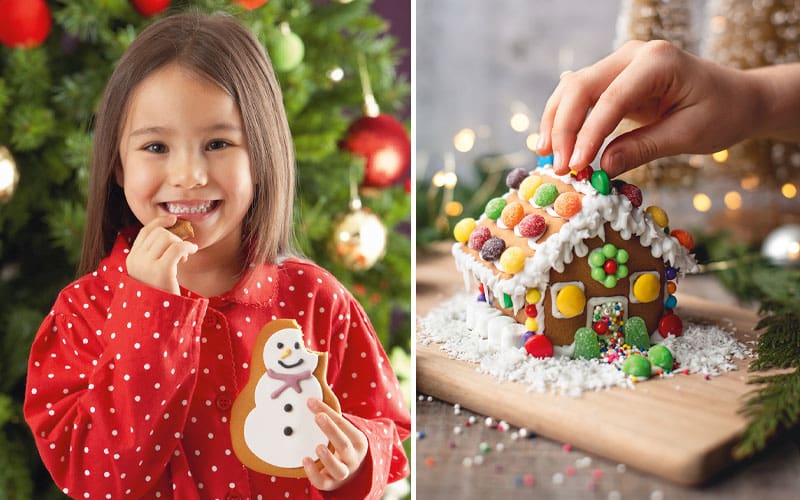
<point x="133" y="373"/>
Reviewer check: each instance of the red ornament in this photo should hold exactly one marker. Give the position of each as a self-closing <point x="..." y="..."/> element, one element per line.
<point x="670" y="324"/>
<point x="150" y="7"/>
<point x="539" y="346"/>
<point x="384" y="143"/>
<point x="251" y="4"/>
<point x="24" y="23"/>
<point x="610" y="266"/>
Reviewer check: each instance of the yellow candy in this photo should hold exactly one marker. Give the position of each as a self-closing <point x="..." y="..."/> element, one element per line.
<point x="659" y="215"/>
<point x="463" y="229"/>
<point x="513" y="260"/>
<point x="531" y="324"/>
<point x="533" y="296"/>
<point x="529" y="185"/>
<point x="570" y="301"/>
<point x="646" y="288"/>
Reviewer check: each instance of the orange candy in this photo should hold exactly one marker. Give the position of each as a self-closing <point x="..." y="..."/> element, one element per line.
<point x="683" y="237"/>
<point x="671" y="287"/>
<point x="567" y="204"/>
<point x="512" y="214"/>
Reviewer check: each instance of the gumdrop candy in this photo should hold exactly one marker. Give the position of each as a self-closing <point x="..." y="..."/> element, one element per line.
<point x="515" y="177"/>
<point x="545" y="195"/>
<point x="633" y="193"/>
<point x="493" y="249"/>
<point x="512" y="214"/>
<point x="495" y="207"/>
<point x="529" y="185"/>
<point x="636" y="333"/>
<point x="601" y="182"/>
<point x="513" y="260"/>
<point x="660" y="356"/>
<point x="539" y="346"/>
<point x="637" y="365"/>
<point x="586" y="344"/>
<point x="532" y="226"/>
<point x="479" y="237"/>
<point x="567" y="204"/>
<point x="463" y="229"/>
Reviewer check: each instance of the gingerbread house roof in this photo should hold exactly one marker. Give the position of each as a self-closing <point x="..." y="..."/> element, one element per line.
<point x="565" y="237"/>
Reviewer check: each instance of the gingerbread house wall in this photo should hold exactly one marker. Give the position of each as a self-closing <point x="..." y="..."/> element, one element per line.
<point x="562" y="331"/>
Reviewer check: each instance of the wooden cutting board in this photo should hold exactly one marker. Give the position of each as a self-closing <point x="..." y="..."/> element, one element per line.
<point x="681" y="428"/>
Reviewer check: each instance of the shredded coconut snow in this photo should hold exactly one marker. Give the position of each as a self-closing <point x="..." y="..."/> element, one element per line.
<point x="707" y="349"/>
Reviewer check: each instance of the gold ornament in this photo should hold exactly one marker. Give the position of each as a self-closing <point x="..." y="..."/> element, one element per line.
<point x="359" y="239"/>
<point x="9" y="175"/>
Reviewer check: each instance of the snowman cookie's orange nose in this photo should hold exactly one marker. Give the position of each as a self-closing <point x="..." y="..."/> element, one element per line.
<point x="286" y="353"/>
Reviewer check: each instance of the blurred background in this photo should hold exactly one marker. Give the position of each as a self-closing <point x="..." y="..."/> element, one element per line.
<point x="344" y="67"/>
<point x="487" y="68"/>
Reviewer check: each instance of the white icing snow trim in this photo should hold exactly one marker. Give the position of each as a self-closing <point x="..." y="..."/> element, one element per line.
<point x="560" y="248"/>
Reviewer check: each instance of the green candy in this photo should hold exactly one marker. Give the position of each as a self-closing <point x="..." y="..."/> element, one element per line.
<point x="601" y="182"/>
<point x="598" y="274"/>
<point x="636" y="333"/>
<point x="609" y="251"/>
<point x="596" y="259"/>
<point x="661" y="357"/>
<point x="610" y="281"/>
<point x="622" y="256"/>
<point x="507" y="302"/>
<point x="545" y="194"/>
<point x="622" y="271"/>
<point x="636" y="366"/>
<point x="495" y="207"/>
<point x="586" y="344"/>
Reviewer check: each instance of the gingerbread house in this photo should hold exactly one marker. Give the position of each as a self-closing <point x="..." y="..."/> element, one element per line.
<point x="557" y="254"/>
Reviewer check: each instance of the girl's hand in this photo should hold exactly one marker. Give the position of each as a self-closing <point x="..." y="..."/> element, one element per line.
<point x="156" y="253"/>
<point x="683" y="103"/>
<point x="349" y="443"/>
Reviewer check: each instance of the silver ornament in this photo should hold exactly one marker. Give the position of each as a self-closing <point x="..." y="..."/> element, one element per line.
<point x="782" y="245"/>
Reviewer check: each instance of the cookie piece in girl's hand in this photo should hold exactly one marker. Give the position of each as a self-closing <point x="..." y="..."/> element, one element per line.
<point x="272" y="428"/>
<point x="182" y="229"/>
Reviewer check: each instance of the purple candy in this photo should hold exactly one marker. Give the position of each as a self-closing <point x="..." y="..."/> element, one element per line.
<point x="515" y="178"/>
<point x="493" y="249"/>
<point x="671" y="273"/>
<point x="526" y="336"/>
<point x="481" y="298"/>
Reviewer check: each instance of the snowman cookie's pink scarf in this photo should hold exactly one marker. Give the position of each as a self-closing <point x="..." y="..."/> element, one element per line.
<point x="289" y="380"/>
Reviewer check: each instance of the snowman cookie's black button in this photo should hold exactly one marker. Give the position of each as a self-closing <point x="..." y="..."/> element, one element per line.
<point x="287" y="431"/>
<point x="287" y="408"/>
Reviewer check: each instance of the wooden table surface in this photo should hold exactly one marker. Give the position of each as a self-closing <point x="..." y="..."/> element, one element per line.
<point x="541" y="468"/>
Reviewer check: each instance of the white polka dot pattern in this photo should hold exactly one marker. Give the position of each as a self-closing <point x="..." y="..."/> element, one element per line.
<point x="129" y="388"/>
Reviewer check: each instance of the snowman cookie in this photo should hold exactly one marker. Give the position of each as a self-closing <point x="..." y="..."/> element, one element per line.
<point x="271" y="425"/>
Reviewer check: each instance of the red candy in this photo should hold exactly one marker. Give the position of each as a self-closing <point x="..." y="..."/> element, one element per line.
<point x="479" y="236"/>
<point x="683" y="237"/>
<point x="583" y="175"/>
<point x="530" y="311"/>
<point x="633" y="193"/>
<point x="539" y="346"/>
<point x="600" y="327"/>
<point x="532" y="226"/>
<point x="610" y="266"/>
<point x="670" y="324"/>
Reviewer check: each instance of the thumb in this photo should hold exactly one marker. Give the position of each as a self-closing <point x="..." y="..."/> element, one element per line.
<point x="642" y="145"/>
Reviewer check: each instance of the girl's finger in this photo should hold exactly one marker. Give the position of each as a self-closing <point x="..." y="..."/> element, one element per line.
<point x="178" y="251"/>
<point x="341" y="443"/>
<point x="148" y="235"/>
<point x="316" y="475"/>
<point x="334" y="467"/>
<point x="354" y="435"/>
<point x="545" y="147"/>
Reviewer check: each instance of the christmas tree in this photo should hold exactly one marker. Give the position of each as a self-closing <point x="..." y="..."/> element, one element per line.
<point x="55" y="58"/>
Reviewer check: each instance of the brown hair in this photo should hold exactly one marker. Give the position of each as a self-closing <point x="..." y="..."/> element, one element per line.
<point x="221" y="49"/>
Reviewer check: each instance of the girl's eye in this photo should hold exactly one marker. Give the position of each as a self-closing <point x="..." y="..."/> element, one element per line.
<point x="156" y="148"/>
<point x="217" y="145"/>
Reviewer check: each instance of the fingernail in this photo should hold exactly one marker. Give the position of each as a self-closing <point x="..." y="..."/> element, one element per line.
<point x="540" y="142"/>
<point x="575" y="158"/>
<point x="617" y="163"/>
<point x="557" y="161"/>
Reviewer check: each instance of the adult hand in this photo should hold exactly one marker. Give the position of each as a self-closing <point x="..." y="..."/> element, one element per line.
<point x="349" y="444"/>
<point x="684" y="104"/>
<point x="156" y="253"/>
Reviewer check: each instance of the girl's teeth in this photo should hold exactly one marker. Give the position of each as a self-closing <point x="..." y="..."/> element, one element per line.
<point x="175" y="208"/>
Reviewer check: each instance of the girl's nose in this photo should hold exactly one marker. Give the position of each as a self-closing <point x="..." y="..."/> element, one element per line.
<point x="187" y="171"/>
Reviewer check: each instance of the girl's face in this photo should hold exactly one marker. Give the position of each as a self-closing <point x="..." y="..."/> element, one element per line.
<point x="184" y="152"/>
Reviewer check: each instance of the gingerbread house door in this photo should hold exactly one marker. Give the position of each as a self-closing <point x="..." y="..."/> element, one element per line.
<point x="607" y="314"/>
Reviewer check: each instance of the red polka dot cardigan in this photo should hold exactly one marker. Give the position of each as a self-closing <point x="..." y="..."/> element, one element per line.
<point x="130" y="388"/>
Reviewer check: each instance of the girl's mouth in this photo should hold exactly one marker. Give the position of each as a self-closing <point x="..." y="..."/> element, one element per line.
<point x="184" y="208"/>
